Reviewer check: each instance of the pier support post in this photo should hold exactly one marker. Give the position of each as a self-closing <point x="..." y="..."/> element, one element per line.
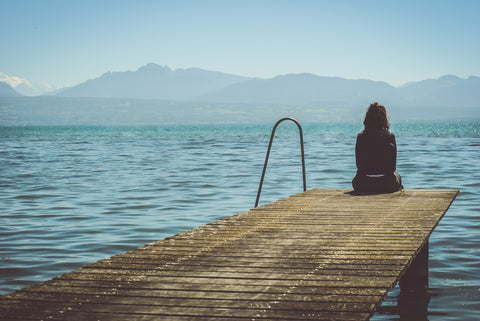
<point x="414" y="298"/>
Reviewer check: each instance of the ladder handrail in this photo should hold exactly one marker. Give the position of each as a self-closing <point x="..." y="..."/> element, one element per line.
<point x="268" y="154"/>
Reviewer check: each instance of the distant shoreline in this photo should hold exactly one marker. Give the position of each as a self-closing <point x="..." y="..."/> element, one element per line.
<point x="48" y="111"/>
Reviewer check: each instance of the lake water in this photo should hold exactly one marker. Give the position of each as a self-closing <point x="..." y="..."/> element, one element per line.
<point x="74" y="195"/>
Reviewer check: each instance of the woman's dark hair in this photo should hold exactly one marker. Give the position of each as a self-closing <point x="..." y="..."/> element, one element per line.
<point x="376" y="118"/>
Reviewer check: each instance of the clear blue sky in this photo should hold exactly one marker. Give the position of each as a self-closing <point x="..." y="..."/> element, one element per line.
<point x="67" y="42"/>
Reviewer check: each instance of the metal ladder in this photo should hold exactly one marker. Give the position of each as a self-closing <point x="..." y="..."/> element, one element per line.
<point x="268" y="154"/>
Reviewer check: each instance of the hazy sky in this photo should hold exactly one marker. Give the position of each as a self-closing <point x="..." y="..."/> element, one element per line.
<point x="67" y="42"/>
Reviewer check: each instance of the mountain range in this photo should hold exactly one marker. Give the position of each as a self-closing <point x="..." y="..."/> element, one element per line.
<point x="153" y="81"/>
<point x="25" y="87"/>
<point x="158" y="94"/>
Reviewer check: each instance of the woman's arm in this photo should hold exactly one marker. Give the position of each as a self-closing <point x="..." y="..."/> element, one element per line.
<point x="391" y="154"/>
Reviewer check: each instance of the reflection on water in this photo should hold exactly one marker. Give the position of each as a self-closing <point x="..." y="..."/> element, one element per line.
<point x="73" y="195"/>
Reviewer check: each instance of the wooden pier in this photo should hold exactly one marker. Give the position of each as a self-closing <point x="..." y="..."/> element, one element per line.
<point x="326" y="254"/>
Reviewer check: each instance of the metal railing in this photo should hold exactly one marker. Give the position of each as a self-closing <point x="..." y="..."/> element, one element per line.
<point x="268" y="154"/>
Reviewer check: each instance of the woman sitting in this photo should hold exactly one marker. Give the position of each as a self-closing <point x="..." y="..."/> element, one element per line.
<point x="376" y="154"/>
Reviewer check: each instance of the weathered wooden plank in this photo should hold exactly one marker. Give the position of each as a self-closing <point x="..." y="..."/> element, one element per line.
<point x="107" y="286"/>
<point x="322" y="254"/>
<point x="97" y="294"/>
<point x="163" y="304"/>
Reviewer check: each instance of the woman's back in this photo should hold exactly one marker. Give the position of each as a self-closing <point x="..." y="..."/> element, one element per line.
<point x="376" y="154"/>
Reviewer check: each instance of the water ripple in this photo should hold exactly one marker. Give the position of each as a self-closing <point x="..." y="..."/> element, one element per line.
<point x="74" y="195"/>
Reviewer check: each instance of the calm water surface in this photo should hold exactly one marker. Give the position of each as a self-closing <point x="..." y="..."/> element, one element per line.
<point x="74" y="195"/>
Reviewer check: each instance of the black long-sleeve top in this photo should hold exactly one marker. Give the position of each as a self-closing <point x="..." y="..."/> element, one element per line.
<point x="376" y="153"/>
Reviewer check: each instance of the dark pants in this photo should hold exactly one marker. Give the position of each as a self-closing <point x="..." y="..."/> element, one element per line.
<point x="385" y="184"/>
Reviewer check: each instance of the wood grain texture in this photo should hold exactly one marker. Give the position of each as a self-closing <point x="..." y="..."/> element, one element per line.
<point x="325" y="254"/>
